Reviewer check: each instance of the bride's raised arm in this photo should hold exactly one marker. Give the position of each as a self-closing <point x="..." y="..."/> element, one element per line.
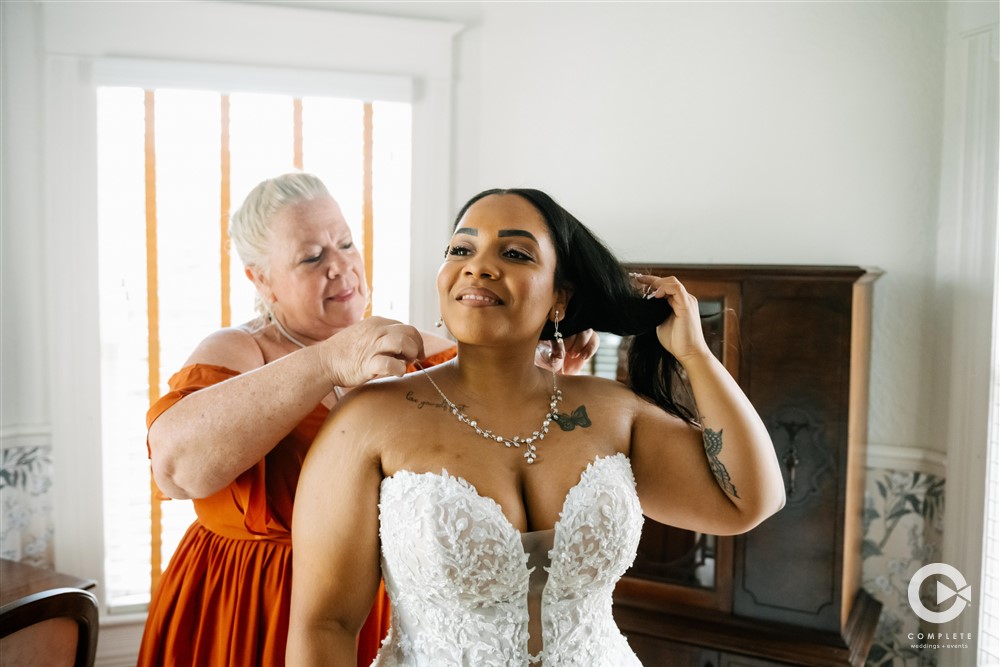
<point x="335" y="561"/>
<point x="721" y="479"/>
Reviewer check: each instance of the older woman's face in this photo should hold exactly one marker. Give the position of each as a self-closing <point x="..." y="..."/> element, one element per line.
<point x="317" y="274"/>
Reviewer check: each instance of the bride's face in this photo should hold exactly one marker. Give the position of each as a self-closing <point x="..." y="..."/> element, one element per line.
<point x="497" y="283"/>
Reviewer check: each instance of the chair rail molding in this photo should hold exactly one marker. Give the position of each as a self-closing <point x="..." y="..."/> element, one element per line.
<point x="25" y="435"/>
<point x="909" y="459"/>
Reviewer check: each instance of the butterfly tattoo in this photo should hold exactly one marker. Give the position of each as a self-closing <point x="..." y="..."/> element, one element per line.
<point x="713" y="445"/>
<point x="569" y="421"/>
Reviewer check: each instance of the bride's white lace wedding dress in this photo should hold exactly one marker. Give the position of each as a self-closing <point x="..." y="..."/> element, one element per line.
<point x="467" y="588"/>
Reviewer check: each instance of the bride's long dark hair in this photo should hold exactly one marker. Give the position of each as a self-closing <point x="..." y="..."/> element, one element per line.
<point x="604" y="298"/>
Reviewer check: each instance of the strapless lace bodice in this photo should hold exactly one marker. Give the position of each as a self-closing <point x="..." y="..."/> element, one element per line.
<point x="461" y="585"/>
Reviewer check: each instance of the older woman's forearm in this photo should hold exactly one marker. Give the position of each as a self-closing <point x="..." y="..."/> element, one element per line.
<point x="208" y="438"/>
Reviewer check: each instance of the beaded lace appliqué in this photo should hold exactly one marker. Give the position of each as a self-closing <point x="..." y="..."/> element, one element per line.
<point x="457" y="573"/>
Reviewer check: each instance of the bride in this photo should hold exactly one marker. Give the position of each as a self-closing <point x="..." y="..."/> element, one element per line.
<point x="502" y="502"/>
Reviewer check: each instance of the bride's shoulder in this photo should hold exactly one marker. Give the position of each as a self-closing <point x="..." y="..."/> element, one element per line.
<point x="592" y="385"/>
<point x="367" y="416"/>
<point x="381" y="395"/>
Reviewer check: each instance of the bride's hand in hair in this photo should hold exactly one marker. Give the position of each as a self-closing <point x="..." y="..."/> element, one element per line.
<point x="680" y="333"/>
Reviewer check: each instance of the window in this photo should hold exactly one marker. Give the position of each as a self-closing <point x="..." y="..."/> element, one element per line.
<point x="294" y="51"/>
<point x="171" y="165"/>
<point x="989" y="619"/>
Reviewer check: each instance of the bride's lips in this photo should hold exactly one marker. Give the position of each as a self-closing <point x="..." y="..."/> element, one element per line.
<point x="478" y="297"/>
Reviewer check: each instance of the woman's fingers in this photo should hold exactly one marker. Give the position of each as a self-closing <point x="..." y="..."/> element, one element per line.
<point x="373" y="348"/>
<point x="659" y="287"/>
<point x="543" y="356"/>
<point x="681" y="332"/>
<point x="401" y="341"/>
<point x="585" y="344"/>
<point x="580" y="348"/>
<point x="386" y="366"/>
<point x="396" y="347"/>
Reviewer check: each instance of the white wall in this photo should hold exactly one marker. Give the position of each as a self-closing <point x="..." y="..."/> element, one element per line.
<point x="24" y="409"/>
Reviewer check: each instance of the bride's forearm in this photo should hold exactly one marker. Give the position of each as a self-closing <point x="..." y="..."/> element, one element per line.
<point x="320" y="647"/>
<point x="737" y="444"/>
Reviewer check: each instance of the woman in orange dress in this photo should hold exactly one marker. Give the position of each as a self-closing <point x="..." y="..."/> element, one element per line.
<point x="241" y="414"/>
<point x="234" y="428"/>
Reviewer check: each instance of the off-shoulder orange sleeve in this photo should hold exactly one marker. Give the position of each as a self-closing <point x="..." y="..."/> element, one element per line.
<point x="187" y="381"/>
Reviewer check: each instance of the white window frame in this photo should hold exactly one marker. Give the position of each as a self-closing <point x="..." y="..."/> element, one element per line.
<point x="966" y="270"/>
<point x="290" y="50"/>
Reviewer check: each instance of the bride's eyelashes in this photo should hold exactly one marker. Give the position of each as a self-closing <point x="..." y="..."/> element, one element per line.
<point x="518" y="255"/>
<point x="514" y="253"/>
<point x="457" y="250"/>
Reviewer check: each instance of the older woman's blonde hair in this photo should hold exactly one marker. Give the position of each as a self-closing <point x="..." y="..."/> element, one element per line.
<point x="250" y="225"/>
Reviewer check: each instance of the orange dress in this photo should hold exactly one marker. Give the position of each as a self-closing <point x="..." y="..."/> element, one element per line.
<point x="224" y="598"/>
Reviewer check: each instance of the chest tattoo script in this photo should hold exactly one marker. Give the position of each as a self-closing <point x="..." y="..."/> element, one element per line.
<point x="439" y="403"/>
<point x="570" y="420"/>
<point x="713" y="445"/>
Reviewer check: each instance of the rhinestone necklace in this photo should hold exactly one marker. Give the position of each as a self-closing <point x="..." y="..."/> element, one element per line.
<point x="530" y="453"/>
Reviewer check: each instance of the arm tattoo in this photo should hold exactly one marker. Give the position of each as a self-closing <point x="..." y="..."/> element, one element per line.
<point x="713" y="445"/>
<point x="570" y="420"/>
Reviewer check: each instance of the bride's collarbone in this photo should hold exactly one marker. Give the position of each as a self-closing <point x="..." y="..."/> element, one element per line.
<point x="433" y="438"/>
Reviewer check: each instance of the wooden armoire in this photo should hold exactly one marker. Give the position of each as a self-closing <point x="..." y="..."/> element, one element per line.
<point x="797" y="339"/>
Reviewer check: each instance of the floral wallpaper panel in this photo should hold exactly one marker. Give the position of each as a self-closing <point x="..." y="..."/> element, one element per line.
<point x="26" y="524"/>
<point x="903" y="527"/>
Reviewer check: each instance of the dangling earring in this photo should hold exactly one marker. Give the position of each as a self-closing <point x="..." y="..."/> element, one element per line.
<point x="558" y="347"/>
<point x="440" y="322"/>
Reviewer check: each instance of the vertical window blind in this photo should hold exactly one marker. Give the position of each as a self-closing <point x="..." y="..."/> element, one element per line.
<point x="170" y="165"/>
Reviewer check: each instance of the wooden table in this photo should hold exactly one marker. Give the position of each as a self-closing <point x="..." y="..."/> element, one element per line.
<point x="20" y="579"/>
